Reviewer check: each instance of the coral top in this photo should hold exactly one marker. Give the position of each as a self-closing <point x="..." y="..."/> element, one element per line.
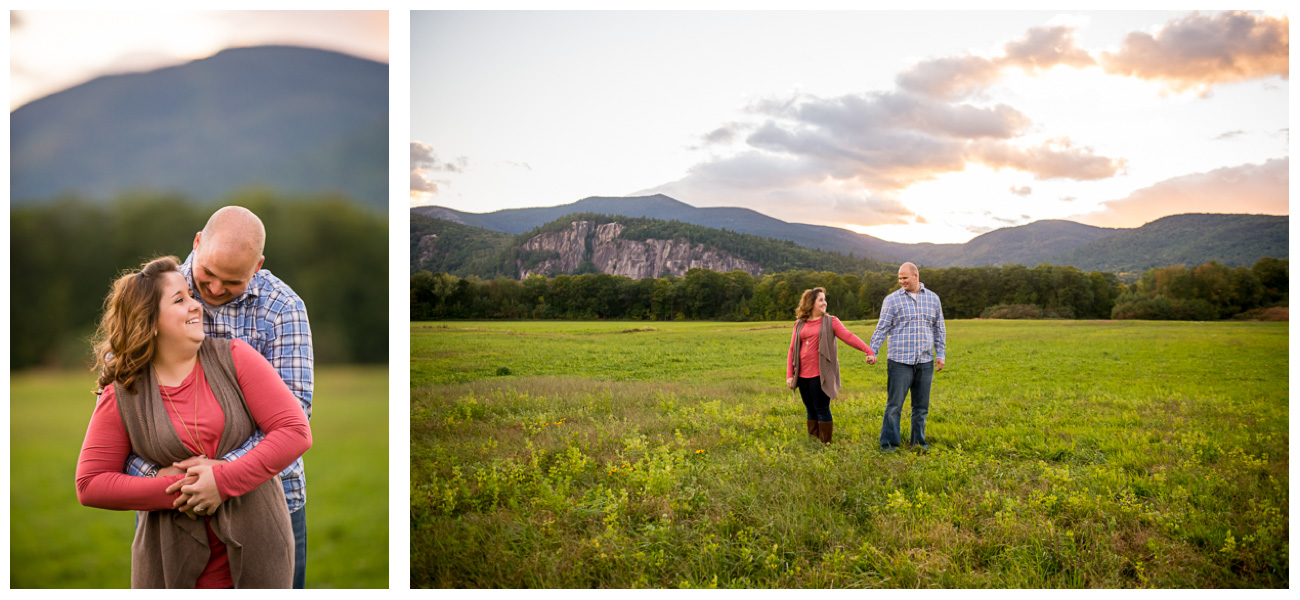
<point x="102" y="484"/>
<point x="809" y="338"/>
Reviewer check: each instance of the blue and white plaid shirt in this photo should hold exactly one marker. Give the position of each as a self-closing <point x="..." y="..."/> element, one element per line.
<point x="914" y="327"/>
<point x="273" y="320"/>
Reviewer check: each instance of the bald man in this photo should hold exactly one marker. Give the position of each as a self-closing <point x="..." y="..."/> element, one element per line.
<point x="241" y="300"/>
<point x="912" y="320"/>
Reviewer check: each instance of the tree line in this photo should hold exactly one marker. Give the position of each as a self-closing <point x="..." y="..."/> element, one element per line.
<point x="967" y="292"/>
<point x="64" y="255"/>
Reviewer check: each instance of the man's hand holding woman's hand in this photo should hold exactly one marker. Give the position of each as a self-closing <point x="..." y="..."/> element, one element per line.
<point x="871" y="359"/>
<point x="199" y="496"/>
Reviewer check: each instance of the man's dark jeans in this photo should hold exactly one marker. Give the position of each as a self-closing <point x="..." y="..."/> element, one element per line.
<point x="299" y="521"/>
<point x="903" y="378"/>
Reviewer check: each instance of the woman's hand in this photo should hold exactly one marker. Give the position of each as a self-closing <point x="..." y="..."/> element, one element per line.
<point x="200" y="497"/>
<point x="789" y="382"/>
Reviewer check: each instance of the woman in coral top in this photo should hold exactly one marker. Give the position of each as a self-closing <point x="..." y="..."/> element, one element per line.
<point x="813" y="363"/>
<point x="167" y="393"/>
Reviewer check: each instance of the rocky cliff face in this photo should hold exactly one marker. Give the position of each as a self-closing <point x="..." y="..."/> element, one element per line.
<point x="616" y="256"/>
<point x="427" y="246"/>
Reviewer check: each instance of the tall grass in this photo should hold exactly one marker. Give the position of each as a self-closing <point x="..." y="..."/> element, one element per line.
<point x="1063" y="454"/>
<point x="57" y="543"/>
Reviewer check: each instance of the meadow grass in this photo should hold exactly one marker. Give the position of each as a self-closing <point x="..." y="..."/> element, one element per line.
<point x="1063" y="454"/>
<point x="57" y="543"/>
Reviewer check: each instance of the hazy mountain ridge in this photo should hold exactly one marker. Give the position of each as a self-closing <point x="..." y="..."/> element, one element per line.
<point x="1233" y="240"/>
<point x="1189" y="240"/>
<point x="295" y="119"/>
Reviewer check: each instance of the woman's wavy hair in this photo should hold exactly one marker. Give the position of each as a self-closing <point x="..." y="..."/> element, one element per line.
<point x="126" y="339"/>
<point x="806" y="303"/>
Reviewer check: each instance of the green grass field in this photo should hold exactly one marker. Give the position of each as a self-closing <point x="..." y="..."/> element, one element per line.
<point x="57" y="543"/>
<point x="1063" y="454"/>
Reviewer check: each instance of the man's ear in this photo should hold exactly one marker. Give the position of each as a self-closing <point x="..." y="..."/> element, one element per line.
<point x="197" y="237"/>
<point x="259" y="264"/>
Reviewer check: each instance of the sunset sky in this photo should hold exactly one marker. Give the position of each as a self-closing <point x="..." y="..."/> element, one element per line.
<point x="54" y="50"/>
<point x="908" y="126"/>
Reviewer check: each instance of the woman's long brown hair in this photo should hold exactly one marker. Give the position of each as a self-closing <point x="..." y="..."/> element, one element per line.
<point x="126" y="338"/>
<point x="806" y="303"/>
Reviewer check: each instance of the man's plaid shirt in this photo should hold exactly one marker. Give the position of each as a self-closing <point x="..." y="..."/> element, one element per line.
<point x="914" y="326"/>
<point x="273" y="320"/>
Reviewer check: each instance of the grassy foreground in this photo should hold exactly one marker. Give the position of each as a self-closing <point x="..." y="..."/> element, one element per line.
<point x="57" y="543"/>
<point x="1063" y="454"/>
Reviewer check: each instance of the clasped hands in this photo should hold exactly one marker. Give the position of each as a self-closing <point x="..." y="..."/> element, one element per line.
<point x="938" y="362"/>
<point x="199" y="495"/>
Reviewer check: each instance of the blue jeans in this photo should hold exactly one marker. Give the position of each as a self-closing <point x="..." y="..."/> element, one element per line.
<point x="903" y="378"/>
<point x="815" y="401"/>
<point x="299" y="521"/>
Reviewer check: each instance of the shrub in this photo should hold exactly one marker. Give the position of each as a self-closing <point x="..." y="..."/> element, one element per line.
<point x="1012" y="311"/>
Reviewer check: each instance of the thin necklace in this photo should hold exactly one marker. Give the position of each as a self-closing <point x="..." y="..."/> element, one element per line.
<point x="194" y="435"/>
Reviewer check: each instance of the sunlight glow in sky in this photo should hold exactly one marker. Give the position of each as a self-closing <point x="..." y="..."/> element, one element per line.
<point x="908" y="126"/>
<point x="54" y="50"/>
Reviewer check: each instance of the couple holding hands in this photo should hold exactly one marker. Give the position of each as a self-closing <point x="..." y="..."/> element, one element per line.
<point x="910" y="318"/>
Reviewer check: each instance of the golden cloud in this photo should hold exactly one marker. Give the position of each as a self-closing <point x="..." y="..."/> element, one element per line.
<point x="1200" y="51"/>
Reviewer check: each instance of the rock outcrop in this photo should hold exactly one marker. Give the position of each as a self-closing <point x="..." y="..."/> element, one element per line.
<point x="612" y="254"/>
<point x="426" y="248"/>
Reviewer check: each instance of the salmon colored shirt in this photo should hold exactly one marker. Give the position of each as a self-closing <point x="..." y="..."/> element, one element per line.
<point x="809" y="338"/>
<point x="102" y="484"/>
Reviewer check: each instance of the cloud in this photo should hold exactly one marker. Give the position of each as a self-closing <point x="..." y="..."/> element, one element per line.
<point x="950" y="78"/>
<point x="424" y="162"/>
<point x="953" y="78"/>
<point x="1200" y="51"/>
<point x="724" y="134"/>
<point x="422" y="185"/>
<point x="1249" y="188"/>
<point x="422" y="157"/>
<point x="828" y="155"/>
<point x="844" y="157"/>
<point x="1045" y="47"/>
<point x="1055" y="159"/>
<point x="1227" y="135"/>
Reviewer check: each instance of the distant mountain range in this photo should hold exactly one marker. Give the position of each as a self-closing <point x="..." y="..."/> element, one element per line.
<point x="632" y="246"/>
<point x="298" y="120"/>
<point x="1233" y="240"/>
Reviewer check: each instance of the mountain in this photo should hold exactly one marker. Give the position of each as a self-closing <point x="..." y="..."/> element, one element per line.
<point x="298" y="120"/>
<point x="659" y="206"/>
<point x="630" y="246"/>
<point x="1187" y="239"/>
<point x="1028" y="245"/>
<point x="442" y="246"/>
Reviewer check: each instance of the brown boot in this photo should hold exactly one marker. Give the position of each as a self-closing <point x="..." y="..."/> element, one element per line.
<point x="812" y="429"/>
<point x="824" y="429"/>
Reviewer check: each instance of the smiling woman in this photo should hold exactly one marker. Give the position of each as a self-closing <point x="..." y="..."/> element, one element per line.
<point x="170" y="394"/>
